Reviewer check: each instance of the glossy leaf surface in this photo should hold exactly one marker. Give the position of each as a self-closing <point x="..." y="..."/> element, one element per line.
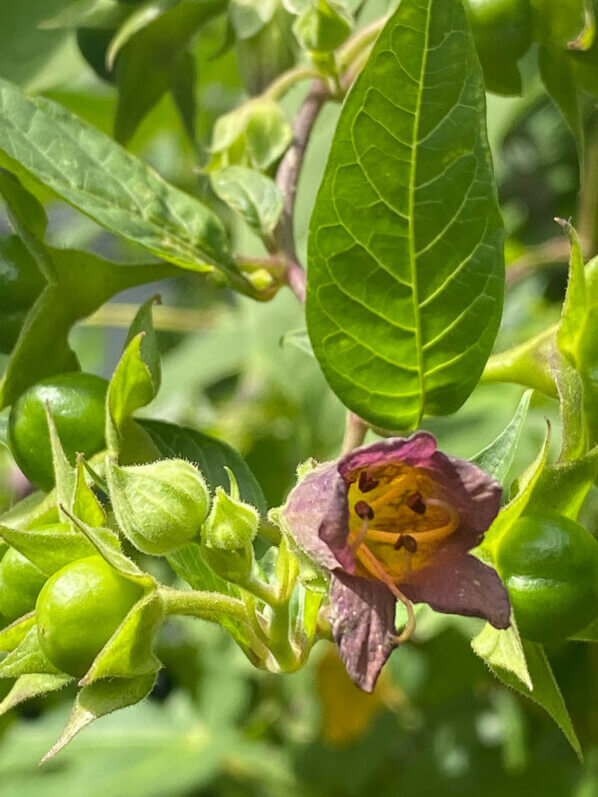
<point x="405" y="281"/>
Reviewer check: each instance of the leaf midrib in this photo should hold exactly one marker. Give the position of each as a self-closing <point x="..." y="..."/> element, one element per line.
<point x="412" y="187"/>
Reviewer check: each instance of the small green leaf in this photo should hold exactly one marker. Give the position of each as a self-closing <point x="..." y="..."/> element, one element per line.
<point x="136" y="379"/>
<point x="32" y="685"/>
<point x="322" y="26"/>
<point x="141" y="16"/>
<point x="52" y="547"/>
<point x="63" y="470"/>
<point x="562" y="488"/>
<point x="84" y="282"/>
<point x="129" y="654"/>
<point x="575" y="306"/>
<point x="299" y="339"/>
<point x="37" y="509"/>
<point x="149" y="50"/>
<point x="85" y="504"/>
<point x="513" y="510"/>
<point x="497" y="458"/>
<point x="530" y="364"/>
<point x="103" y="541"/>
<point x="558" y="76"/>
<point x="27" y="658"/>
<point x="571" y="399"/>
<point x="12" y="636"/>
<point x="87" y="14"/>
<point x="88" y="169"/>
<point x="546" y="692"/>
<point x="248" y="17"/>
<point x="99" y="699"/>
<point x="405" y="249"/>
<point x="26" y="213"/>
<point x="255" y="197"/>
<point x="254" y="135"/>
<point x="503" y="649"/>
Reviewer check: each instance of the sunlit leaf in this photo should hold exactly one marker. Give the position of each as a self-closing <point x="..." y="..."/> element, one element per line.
<point x="405" y="277"/>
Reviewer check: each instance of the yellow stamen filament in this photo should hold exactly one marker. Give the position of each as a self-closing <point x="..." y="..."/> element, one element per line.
<point x="373" y="566"/>
<point x="439" y="533"/>
<point x="397" y="489"/>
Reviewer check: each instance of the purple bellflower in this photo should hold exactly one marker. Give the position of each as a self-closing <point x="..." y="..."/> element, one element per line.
<point x="395" y="521"/>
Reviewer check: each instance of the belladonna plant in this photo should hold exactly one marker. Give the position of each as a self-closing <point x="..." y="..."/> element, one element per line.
<point x="395" y="521"/>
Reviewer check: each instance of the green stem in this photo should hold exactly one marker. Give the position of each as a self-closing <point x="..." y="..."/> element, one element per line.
<point x="288" y="79"/>
<point x="211" y="606"/>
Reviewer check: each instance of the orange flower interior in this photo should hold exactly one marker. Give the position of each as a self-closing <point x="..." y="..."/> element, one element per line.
<point x="398" y="520"/>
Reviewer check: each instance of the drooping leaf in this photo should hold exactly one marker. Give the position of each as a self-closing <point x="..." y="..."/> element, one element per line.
<point x="149" y="51"/>
<point x="94" y="174"/>
<point x="255" y="197"/>
<point x="497" y="458"/>
<point x="405" y="250"/>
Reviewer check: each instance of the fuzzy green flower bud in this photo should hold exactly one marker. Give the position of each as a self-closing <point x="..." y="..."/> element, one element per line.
<point x="228" y="535"/>
<point x="323" y="26"/>
<point x="159" y="507"/>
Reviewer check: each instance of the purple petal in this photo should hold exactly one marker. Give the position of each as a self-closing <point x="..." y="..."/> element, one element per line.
<point x="363" y="626"/>
<point x="457" y="583"/>
<point x="416" y="451"/>
<point x="475" y="494"/>
<point x="318" y="517"/>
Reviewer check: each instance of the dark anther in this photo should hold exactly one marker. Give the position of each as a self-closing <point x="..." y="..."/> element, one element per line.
<point x="416" y="503"/>
<point x="366" y="483"/>
<point x="407" y="542"/>
<point x="364" y="510"/>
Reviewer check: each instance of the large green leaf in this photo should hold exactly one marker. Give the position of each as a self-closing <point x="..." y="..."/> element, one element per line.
<point x="405" y="281"/>
<point x="96" y="175"/>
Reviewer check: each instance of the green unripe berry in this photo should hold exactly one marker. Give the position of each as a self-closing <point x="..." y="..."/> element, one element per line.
<point x="502" y="32"/>
<point x="76" y="401"/>
<point x="79" y="609"/>
<point x="549" y="565"/>
<point x="21" y="282"/>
